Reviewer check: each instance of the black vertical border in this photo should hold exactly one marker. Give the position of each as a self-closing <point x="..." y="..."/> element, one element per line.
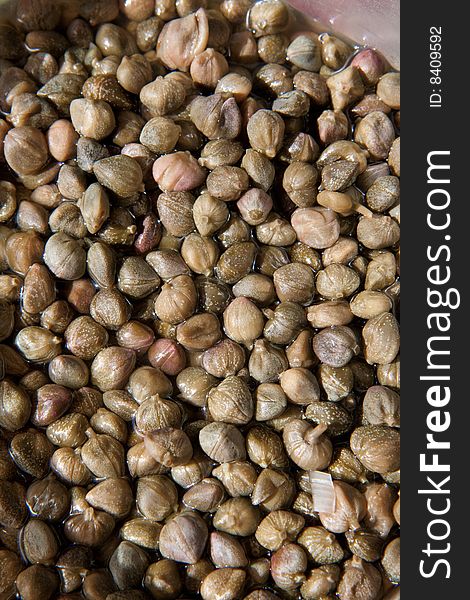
<point x="424" y="130"/>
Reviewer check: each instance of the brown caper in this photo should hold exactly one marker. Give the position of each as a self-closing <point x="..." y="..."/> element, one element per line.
<point x="199" y="300"/>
